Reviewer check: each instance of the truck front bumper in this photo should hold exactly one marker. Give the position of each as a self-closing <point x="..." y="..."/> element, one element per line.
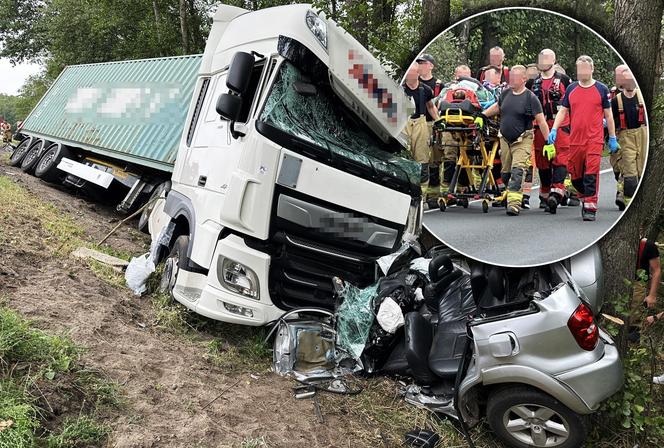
<point x="217" y="302"/>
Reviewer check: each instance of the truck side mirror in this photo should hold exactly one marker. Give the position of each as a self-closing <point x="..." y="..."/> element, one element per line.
<point x="229" y="106"/>
<point x="239" y="72"/>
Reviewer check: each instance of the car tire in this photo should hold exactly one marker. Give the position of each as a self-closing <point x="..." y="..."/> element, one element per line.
<point x="524" y="417"/>
<point x="31" y="159"/>
<point x="19" y="153"/>
<point x="47" y="167"/>
<point x="144" y="219"/>
<point x="176" y="260"/>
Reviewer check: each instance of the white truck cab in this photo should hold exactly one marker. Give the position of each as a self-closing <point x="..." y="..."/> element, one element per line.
<point x="288" y="171"/>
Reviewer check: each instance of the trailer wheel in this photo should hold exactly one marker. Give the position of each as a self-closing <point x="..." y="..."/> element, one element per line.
<point x="176" y="260"/>
<point x="525" y="417"/>
<point x="47" y="167"/>
<point x="147" y="211"/>
<point x="21" y="150"/>
<point x="32" y="157"/>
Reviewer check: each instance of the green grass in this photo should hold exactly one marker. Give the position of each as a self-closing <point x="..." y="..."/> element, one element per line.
<point x="32" y="361"/>
<point x="78" y="432"/>
<point x="19" y="414"/>
<point x="58" y="233"/>
<point x="255" y="442"/>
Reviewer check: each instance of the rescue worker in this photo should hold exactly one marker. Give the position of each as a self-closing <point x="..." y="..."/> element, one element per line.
<point x="449" y="146"/>
<point x="492" y="80"/>
<point x="425" y="66"/>
<point x="559" y="69"/>
<point x="417" y="130"/>
<point x="496" y="58"/>
<point x="518" y="107"/>
<point x="551" y="161"/>
<point x="532" y="71"/>
<point x="586" y="102"/>
<point x="495" y="86"/>
<point x="613" y="158"/>
<point x="631" y="128"/>
<point x="6" y="130"/>
<point x="462" y="71"/>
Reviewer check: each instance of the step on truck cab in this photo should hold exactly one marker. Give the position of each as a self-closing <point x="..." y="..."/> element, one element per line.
<point x="289" y="169"/>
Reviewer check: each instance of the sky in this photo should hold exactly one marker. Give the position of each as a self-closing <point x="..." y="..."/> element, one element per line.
<point x="12" y="78"/>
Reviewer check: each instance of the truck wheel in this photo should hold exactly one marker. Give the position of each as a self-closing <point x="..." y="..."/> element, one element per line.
<point x="147" y="211"/>
<point x="21" y="150"/>
<point x="47" y="167"/>
<point x="32" y="157"/>
<point x="524" y="417"/>
<point x="176" y="260"/>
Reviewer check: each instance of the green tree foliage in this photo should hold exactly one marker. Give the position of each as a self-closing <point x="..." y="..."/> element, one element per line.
<point x="524" y="33"/>
<point x="58" y="33"/>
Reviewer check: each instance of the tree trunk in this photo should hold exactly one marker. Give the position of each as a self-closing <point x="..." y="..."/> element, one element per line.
<point x="435" y="18"/>
<point x="489" y="40"/>
<point x="382" y="17"/>
<point x="637" y="27"/>
<point x="157" y="21"/>
<point x="184" y="26"/>
<point x="464" y="40"/>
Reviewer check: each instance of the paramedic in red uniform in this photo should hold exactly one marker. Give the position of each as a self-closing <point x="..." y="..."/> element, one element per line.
<point x="586" y="102"/>
<point x="496" y="59"/>
<point x="549" y="87"/>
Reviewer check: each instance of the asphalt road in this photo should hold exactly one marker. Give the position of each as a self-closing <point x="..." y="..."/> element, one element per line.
<point x="532" y="238"/>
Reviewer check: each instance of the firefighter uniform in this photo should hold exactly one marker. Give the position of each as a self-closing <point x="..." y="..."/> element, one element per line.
<point x="6" y="132"/>
<point x="517" y="112"/>
<point x="438" y="150"/>
<point x="552" y="173"/>
<point x="418" y="132"/>
<point x="586" y="111"/>
<point x="632" y="133"/>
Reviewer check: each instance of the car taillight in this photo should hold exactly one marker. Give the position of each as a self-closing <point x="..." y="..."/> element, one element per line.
<point x="583" y="328"/>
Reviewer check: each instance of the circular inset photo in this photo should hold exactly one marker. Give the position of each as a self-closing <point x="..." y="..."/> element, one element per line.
<point x="531" y="133"/>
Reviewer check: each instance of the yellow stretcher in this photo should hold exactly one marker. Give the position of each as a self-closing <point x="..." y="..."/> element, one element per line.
<point x="478" y="148"/>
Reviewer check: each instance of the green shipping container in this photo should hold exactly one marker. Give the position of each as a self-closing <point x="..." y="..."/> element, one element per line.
<point x="131" y="110"/>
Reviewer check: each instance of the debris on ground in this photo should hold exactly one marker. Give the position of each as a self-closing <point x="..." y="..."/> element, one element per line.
<point x="118" y="264"/>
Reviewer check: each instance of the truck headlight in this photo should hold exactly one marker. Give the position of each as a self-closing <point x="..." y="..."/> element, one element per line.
<point x="318" y="27"/>
<point x="237" y="278"/>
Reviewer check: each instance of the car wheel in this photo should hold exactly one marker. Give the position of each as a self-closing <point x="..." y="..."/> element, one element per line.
<point x="47" y="167"/>
<point x="176" y="260"/>
<point x="524" y="417"/>
<point x="21" y="150"/>
<point x="147" y="211"/>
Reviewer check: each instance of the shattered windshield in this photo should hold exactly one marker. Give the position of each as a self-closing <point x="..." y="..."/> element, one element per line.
<point x="309" y="110"/>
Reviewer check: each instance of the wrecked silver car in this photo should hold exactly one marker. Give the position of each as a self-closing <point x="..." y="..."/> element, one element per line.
<point x="519" y="347"/>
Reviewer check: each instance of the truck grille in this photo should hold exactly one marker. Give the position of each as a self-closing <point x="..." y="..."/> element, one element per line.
<point x="301" y="271"/>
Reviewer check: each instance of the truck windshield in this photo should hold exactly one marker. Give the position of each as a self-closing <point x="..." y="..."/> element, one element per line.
<point x="310" y="111"/>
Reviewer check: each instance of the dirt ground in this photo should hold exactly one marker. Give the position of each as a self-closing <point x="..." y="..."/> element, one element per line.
<point x="167" y="382"/>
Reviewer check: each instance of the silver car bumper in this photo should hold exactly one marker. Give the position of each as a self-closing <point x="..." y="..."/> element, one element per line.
<point x="594" y="383"/>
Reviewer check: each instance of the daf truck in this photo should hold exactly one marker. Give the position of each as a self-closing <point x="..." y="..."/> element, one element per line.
<point x="289" y="170"/>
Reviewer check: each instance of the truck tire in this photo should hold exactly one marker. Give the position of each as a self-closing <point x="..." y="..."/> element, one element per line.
<point x="21" y="150"/>
<point x="47" y="167"/>
<point x="32" y="157"/>
<point x="147" y="211"/>
<point x="523" y="417"/>
<point x="176" y="260"/>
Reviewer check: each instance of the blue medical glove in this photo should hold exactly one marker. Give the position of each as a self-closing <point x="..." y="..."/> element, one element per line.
<point x="552" y="136"/>
<point x="613" y="144"/>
